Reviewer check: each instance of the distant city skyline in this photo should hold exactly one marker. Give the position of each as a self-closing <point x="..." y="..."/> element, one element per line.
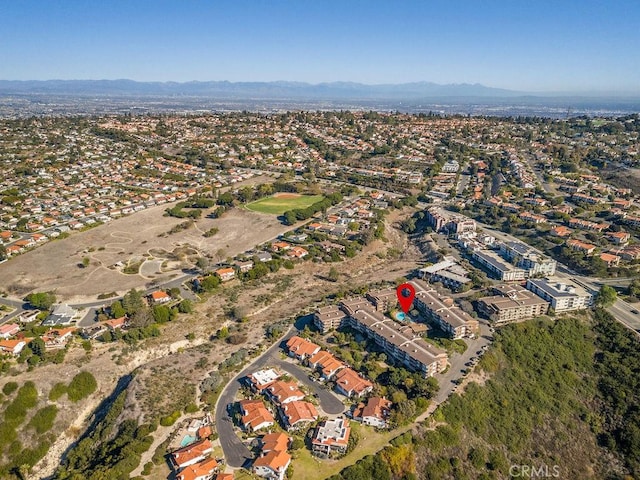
<point x="541" y="46"/>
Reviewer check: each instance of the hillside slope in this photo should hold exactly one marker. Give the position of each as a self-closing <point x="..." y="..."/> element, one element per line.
<point x="560" y="400"/>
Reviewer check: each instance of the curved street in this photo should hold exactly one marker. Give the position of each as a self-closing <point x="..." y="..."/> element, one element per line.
<point x="235" y="451"/>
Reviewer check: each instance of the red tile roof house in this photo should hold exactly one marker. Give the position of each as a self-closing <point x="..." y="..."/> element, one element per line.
<point x="274" y="441"/>
<point x="58" y="337"/>
<point x="297" y="252"/>
<point x="278" y="246"/>
<point x="13" y="250"/>
<point x="191" y="454"/>
<point x="262" y="379"/>
<point x="159" y="297"/>
<point x="326" y="363"/>
<point x="284" y="392"/>
<point x="609" y="259"/>
<point x="374" y="413"/>
<point x="581" y="246"/>
<point x="226" y="274"/>
<point x="350" y="384"/>
<point x="298" y="413"/>
<point x="199" y="471"/>
<point x="117" y="323"/>
<point x="301" y="348"/>
<point x="9" y="330"/>
<point x="12" y="346"/>
<point x="620" y="238"/>
<point x="255" y="415"/>
<point x="223" y="476"/>
<point x="274" y="459"/>
<point x="331" y="436"/>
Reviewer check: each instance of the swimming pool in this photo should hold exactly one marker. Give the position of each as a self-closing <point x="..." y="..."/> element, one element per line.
<point x="400" y="316"/>
<point x="187" y="440"/>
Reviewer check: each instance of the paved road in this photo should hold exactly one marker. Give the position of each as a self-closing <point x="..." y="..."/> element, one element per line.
<point x="623" y="312"/>
<point x="457" y="363"/>
<point x="235" y="451"/>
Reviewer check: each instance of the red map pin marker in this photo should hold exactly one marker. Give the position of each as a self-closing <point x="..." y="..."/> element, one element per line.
<point x="406" y="293"/>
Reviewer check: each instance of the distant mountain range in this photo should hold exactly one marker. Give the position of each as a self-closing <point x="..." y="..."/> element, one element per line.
<point x="266" y="90"/>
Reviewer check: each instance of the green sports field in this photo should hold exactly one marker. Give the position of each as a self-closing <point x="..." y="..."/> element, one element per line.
<point x="277" y="205"/>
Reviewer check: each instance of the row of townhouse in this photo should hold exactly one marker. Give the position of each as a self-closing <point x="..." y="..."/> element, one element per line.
<point x="293" y="411"/>
<point x="347" y="381"/>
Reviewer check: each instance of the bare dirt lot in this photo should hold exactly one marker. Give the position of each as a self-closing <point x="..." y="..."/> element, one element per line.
<point x="140" y="241"/>
<point x="171" y="361"/>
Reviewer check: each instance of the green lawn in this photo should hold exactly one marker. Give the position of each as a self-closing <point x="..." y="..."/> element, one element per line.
<point x="279" y="205"/>
<point x="311" y="468"/>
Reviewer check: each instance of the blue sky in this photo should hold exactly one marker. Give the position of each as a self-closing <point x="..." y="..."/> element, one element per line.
<point x="532" y="45"/>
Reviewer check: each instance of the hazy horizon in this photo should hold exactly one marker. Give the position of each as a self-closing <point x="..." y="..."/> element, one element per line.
<point x="512" y="92"/>
<point x="536" y="47"/>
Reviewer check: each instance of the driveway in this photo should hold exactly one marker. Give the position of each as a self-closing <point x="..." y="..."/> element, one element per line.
<point x="235" y="451"/>
<point x="457" y="363"/>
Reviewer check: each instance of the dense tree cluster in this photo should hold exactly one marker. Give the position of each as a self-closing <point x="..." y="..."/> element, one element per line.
<point x="297" y="214"/>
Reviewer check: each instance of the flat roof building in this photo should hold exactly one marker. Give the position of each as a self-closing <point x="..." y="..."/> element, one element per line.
<point x="512" y="303"/>
<point x="527" y="258"/>
<point x="444" y="312"/>
<point x="329" y="318"/>
<point x="497" y="266"/>
<point x="400" y="342"/>
<point x="562" y="295"/>
<point x="331" y="436"/>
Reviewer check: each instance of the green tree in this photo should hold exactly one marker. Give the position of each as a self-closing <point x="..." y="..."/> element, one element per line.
<point x="37" y="347"/>
<point x="117" y="310"/>
<point x="162" y="314"/>
<point x="185" y="306"/>
<point x="223" y="333"/>
<point x="41" y="300"/>
<point x="132" y="301"/>
<point x="634" y="288"/>
<point x="607" y="296"/>
<point x="81" y="386"/>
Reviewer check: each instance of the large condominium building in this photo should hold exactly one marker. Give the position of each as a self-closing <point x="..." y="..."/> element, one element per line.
<point x="328" y="318"/>
<point x="443" y="220"/>
<point x="383" y="300"/>
<point x="562" y="296"/>
<point x="526" y="257"/>
<point x="512" y="303"/>
<point x="400" y="342"/>
<point x="444" y="312"/>
<point x="497" y="266"/>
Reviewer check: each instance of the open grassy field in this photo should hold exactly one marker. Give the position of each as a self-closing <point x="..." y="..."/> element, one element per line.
<point x="306" y="466"/>
<point x="281" y="202"/>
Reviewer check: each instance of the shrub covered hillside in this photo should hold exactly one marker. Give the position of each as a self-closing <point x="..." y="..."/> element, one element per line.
<point x="562" y="399"/>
